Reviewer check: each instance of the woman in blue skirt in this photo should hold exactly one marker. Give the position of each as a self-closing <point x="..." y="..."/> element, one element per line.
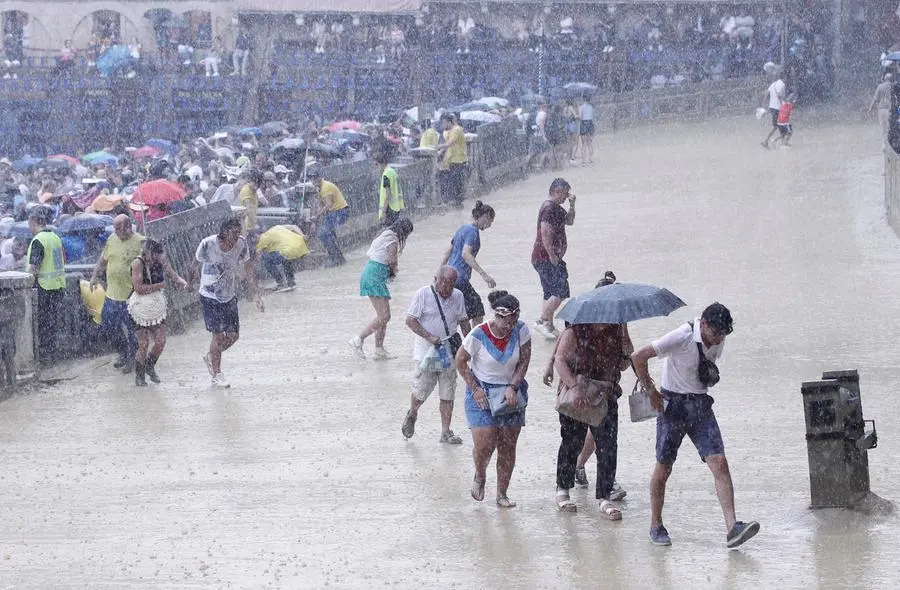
<point x="383" y="255"/>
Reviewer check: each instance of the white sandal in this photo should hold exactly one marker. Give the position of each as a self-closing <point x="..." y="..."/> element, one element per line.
<point x="609" y="510"/>
<point x="564" y="503"/>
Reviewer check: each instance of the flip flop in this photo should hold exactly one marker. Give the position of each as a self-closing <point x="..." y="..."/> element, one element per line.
<point x="477" y="490"/>
<point x="564" y="503"/>
<point x="610" y="511"/>
<point x="504" y="502"/>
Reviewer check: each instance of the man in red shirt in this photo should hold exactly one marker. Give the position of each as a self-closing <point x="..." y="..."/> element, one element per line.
<point x="549" y="248"/>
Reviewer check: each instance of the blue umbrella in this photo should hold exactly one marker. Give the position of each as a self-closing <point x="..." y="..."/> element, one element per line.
<point x="162" y="144"/>
<point x="895" y="56"/>
<point x="250" y="131"/>
<point x="85" y="222"/>
<point x="26" y="163"/>
<point x="113" y="60"/>
<point x="619" y="303"/>
<point x="20" y="230"/>
<point x="101" y="157"/>
<point x="469" y="106"/>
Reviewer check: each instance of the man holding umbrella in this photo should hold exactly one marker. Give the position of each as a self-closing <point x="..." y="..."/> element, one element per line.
<point x="685" y="408"/>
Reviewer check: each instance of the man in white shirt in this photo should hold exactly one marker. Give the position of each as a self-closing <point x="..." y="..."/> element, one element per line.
<point x="466" y="26"/>
<point x="685" y="408"/>
<point x="433" y="316"/>
<point x="775" y="94"/>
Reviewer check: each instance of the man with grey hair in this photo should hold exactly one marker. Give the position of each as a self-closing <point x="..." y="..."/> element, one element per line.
<point x="882" y="101"/>
<point x="433" y="316"/>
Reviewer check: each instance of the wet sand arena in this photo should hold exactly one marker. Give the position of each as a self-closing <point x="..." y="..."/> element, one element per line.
<point x="298" y="477"/>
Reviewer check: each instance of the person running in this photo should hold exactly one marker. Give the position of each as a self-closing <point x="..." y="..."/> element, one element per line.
<point x="464" y="247"/>
<point x="774" y="95"/>
<point x="383" y="254"/>
<point x="333" y="212"/>
<point x="221" y="256"/>
<point x="149" y="272"/>
<point x="549" y="248"/>
<point x="495" y="355"/>
<point x="390" y="195"/>
<point x="586" y="129"/>
<point x="119" y="252"/>
<point x="685" y="408"/>
<point x="433" y="316"/>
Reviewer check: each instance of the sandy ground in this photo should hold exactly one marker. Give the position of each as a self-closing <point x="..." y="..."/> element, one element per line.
<point x="298" y="476"/>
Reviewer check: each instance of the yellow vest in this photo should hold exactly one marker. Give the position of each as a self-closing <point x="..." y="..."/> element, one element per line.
<point x="52" y="272"/>
<point x="394" y="195"/>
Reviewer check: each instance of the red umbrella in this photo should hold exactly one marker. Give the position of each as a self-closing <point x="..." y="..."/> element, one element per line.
<point x="64" y="157"/>
<point x="158" y="192"/>
<point x="352" y="125"/>
<point x="146" y="152"/>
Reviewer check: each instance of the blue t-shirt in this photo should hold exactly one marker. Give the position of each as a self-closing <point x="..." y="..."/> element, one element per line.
<point x="466" y="235"/>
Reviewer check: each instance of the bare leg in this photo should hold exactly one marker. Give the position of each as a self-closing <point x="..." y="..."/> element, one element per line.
<point x="658" y="481"/>
<point x="378" y="326"/>
<point x="506" y="457"/>
<point x="446" y="414"/>
<point x="143" y="339"/>
<point x="586" y="451"/>
<point x="549" y="308"/>
<point x="718" y="464"/>
<point x="219" y="344"/>
<point x="159" y="340"/>
<point x="485" y="440"/>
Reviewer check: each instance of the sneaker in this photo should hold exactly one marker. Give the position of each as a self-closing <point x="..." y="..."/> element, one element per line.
<point x="765" y="145"/>
<point x="740" y="533"/>
<point x="409" y="425"/>
<point x="617" y="493"/>
<point x="220" y="381"/>
<point x="284" y="289"/>
<point x="383" y="355"/>
<point x="660" y="536"/>
<point x="450" y="438"/>
<point x="581" y="479"/>
<point x="546" y="328"/>
<point x="357" y="346"/>
<point x="119" y="362"/>
<point x="208" y="363"/>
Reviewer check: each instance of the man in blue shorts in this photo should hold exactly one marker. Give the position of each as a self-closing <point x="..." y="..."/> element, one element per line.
<point x="550" y="246"/>
<point x="221" y="256"/>
<point x="689" y="353"/>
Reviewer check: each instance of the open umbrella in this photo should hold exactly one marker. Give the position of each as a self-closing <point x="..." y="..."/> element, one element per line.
<point x="273" y="128"/>
<point x="353" y="125"/>
<point x="480" y="116"/>
<point x="146" y="152"/>
<point x="346" y="135"/>
<point x="85" y="222"/>
<point x="20" y="230"/>
<point x="55" y="164"/>
<point x="162" y="144"/>
<point x="250" y="131"/>
<point x="323" y="149"/>
<point x="532" y="98"/>
<point x="158" y="192"/>
<point x="114" y="59"/>
<point x="290" y="143"/>
<point x="619" y="303"/>
<point x="26" y="163"/>
<point x="469" y="106"/>
<point x="70" y="159"/>
<point x="101" y="157"/>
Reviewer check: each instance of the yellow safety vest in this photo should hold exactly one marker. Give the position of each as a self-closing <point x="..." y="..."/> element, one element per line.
<point x="52" y="272"/>
<point x="393" y="195"/>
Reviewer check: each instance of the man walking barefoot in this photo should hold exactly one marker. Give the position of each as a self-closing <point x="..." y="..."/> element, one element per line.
<point x="689" y="353"/>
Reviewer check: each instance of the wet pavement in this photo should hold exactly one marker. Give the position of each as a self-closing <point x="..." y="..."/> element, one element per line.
<point x="298" y="476"/>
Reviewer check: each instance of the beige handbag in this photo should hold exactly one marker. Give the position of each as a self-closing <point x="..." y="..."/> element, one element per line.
<point x="639" y="404"/>
<point x="597" y="394"/>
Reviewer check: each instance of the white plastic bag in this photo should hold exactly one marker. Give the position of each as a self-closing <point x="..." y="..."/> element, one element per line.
<point x="759" y="113"/>
<point x="431" y="362"/>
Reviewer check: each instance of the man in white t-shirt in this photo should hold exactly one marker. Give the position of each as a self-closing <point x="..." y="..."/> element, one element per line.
<point x="221" y="256"/>
<point x="685" y="406"/>
<point x="466" y="27"/>
<point x="775" y="94"/>
<point x="433" y="316"/>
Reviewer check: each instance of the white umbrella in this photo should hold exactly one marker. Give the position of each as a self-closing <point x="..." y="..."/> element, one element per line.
<point x="481" y="116"/>
<point x="493" y="102"/>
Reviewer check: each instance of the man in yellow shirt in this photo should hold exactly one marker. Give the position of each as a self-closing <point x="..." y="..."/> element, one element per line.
<point x="280" y="246"/>
<point x="390" y="196"/>
<point x="454" y="160"/>
<point x="430" y="137"/>
<point x="120" y="251"/>
<point x="249" y="198"/>
<point x="333" y="212"/>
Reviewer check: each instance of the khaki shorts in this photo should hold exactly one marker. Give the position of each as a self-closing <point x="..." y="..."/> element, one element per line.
<point x="445" y="381"/>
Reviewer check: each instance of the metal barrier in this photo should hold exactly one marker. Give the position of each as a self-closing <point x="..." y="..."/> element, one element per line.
<point x="892" y="188"/>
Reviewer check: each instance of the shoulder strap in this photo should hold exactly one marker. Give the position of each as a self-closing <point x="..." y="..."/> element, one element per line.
<point x="441" y="310"/>
<point x="699" y="344"/>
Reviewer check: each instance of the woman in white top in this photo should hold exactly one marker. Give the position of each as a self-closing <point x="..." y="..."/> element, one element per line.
<point x="383" y="256"/>
<point x="586" y="131"/>
<point x="496" y="355"/>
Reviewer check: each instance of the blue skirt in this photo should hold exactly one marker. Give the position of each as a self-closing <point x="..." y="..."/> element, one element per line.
<point x="373" y="281"/>
<point x="478" y="418"/>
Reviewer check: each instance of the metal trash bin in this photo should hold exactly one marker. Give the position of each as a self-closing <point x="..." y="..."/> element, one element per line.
<point x="837" y="440"/>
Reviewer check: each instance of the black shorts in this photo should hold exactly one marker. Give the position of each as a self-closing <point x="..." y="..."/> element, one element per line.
<point x="774" y="117"/>
<point x="221" y="318"/>
<point x="554" y="278"/>
<point x="786" y="130"/>
<point x="474" y="305"/>
<point x="587" y="128"/>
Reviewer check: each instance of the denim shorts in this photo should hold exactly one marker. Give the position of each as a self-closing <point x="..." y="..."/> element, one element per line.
<point x="221" y="318"/>
<point x="478" y="418"/>
<point x="554" y="278"/>
<point x="690" y="415"/>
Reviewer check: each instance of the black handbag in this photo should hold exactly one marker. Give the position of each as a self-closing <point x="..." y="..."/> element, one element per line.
<point x="707" y="371"/>
<point x="455" y="340"/>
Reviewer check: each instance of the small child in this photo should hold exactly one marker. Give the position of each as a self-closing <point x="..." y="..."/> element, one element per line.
<point x="784" y="121"/>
